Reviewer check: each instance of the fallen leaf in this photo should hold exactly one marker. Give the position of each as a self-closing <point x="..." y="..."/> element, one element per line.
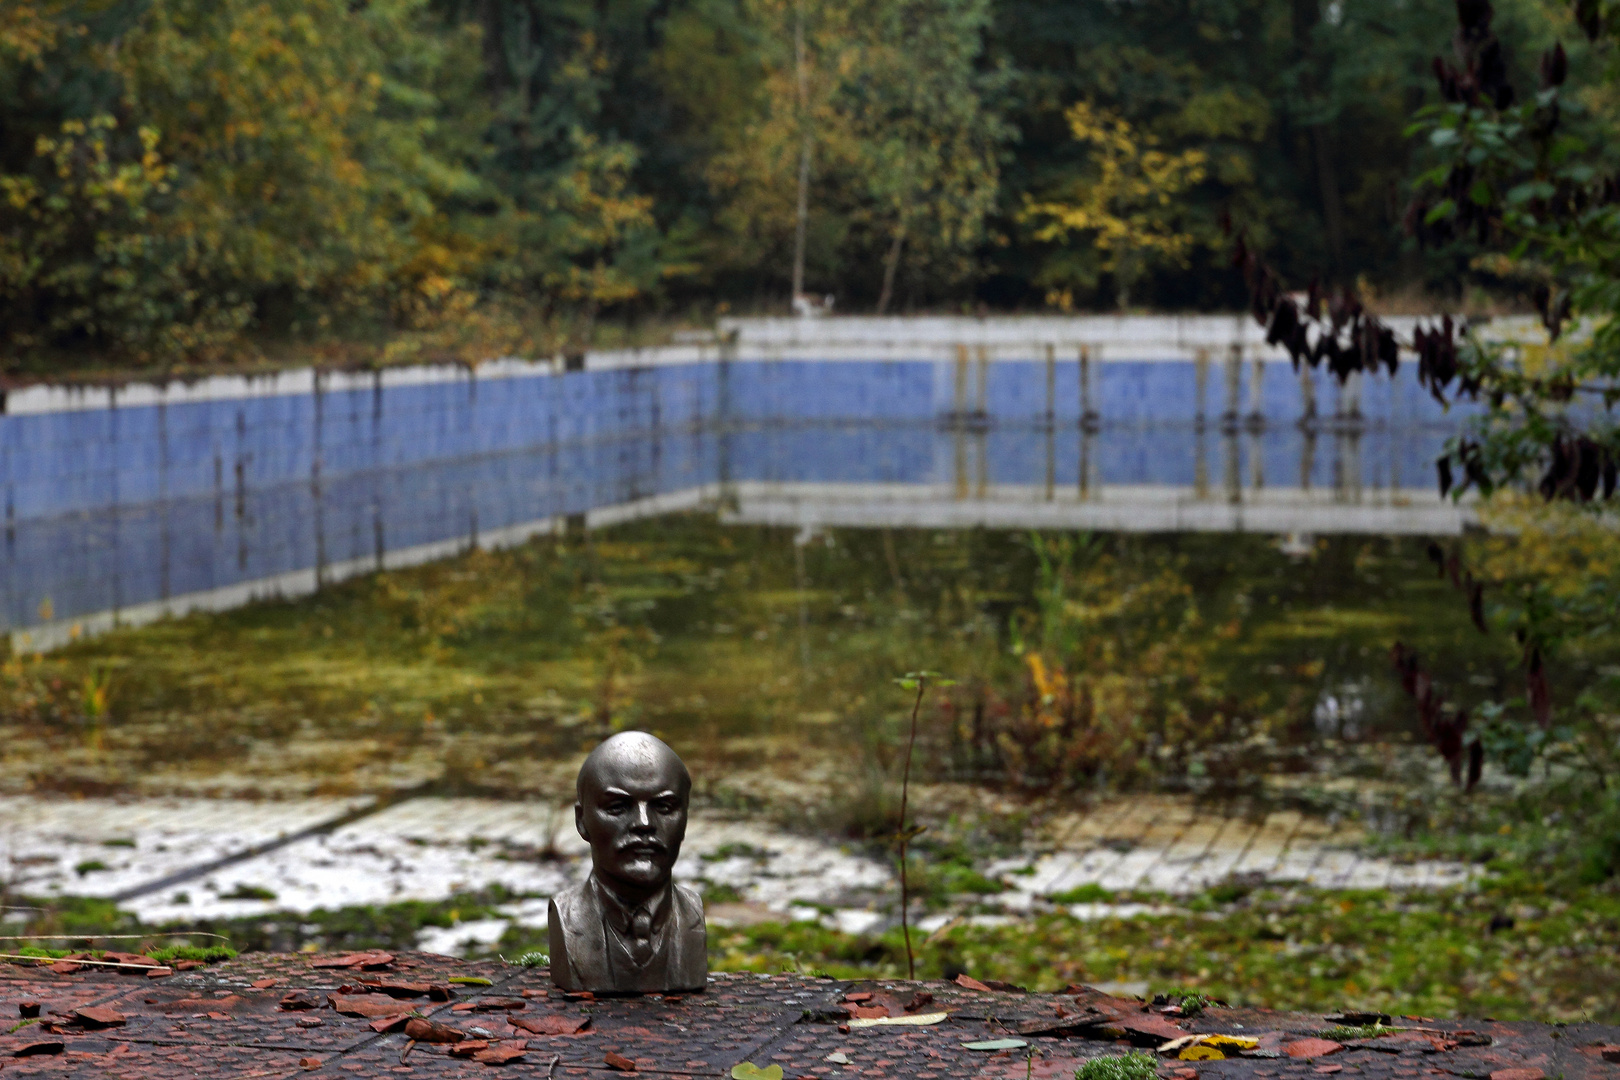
<point x="429" y="1031"/>
<point x="1199" y="1052"/>
<point x="919" y="1020"/>
<point x="95" y="1016"/>
<point x="619" y="1061"/>
<point x="1315" y="1048"/>
<point x="469" y="980"/>
<point x="550" y="1025"/>
<point x="1229" y="1042"/>
<point x="968" y="982"/>
<point x="995" y="1044"/>
<point x="838" y="1057"/>
<point x="747" y="1070"/>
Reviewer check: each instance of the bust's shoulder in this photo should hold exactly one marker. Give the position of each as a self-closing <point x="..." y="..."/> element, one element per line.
<point x="572" y="899"/>
<point x="688" y="903"/>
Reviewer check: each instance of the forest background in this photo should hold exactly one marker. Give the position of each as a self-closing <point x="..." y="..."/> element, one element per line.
<point x="186" y="182"/>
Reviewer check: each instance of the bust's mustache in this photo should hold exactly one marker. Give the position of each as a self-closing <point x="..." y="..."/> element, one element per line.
<point x="641" y="845"/>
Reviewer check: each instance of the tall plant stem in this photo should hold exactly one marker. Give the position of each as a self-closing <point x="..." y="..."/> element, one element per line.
<point x="905" y="837"/>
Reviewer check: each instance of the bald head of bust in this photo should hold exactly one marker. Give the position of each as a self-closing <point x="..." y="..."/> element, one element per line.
<point x="630" y="806"/>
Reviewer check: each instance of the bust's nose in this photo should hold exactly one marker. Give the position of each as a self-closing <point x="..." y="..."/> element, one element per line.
<point x="643" y="817"/>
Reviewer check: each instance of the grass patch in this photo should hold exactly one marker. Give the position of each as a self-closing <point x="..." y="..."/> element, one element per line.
<point x="248" y="892"/>
<point x="1089" y="893"/>
<point x="1350" y="1032"/>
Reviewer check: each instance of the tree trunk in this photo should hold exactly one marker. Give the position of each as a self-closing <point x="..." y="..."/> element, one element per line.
<point x="891" y="264"/>
<point x="802" y="217"/>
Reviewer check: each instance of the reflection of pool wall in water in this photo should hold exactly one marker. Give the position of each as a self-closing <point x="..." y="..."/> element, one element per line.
<point x="119" y="508"/>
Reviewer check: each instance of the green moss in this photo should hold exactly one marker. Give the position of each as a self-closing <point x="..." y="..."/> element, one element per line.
<point x="1134" y="1066"/>
<point x="208" y="954"/>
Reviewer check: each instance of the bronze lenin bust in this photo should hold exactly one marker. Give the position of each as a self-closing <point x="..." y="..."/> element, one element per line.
<point x="629" y="929"/>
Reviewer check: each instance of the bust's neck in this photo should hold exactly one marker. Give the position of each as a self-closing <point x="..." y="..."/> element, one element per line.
<point x="627" y="900"/>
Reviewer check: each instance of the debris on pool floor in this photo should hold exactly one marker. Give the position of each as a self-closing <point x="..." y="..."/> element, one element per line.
<point x="429" y="848"/>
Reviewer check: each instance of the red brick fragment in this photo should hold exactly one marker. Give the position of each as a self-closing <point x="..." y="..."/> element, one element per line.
<point x="96" y="1016"/>
<point x="866" y="1012"/>
<point x="39" y="1046"/>
<point x="1611" y="1053"/>
<point x="863" y="996"/>
<point x="578" y="995"/>
<point x="1312" y="1048"/>
<point x="468" y="1047"/>
<point x="191" y="965"/>
<point x="429" y="1031"/>
<point x="401" y="989"/>
<point x="502" y="1053"/>
<point x="550" y="1025"/>
<point x="368" y="1005"/>
<point x="384" y="1024"/>
<point x="64" y="967"/>
<point x="968" y="982"/>
<point x="27" y="1009"/>
<point x="309" y="1063"/>
<point x="1326" y="1069"/>
<point x="1518" y="1074"/>
<point x="440" y="992"/>
<point x="315" y="1022"/>
<point x="159" y="972"/>
<point x="498" y="1005"/>
<point x="262" y="984"/>
<point x="619" y="1061"/>
<point x="365" y="961"/>
<point x="219" y="1016"/>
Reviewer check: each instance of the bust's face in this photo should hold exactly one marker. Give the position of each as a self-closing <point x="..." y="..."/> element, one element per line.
<point x="632" y="811"/>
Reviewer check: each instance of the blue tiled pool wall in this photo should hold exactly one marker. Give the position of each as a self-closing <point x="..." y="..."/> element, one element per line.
<point x="122" y="556"/>
<point x="115" y="507"/>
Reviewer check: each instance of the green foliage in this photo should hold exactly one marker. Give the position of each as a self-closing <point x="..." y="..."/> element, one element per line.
<point x="188" y="181"/>
<point x="1133" y="1066"/>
